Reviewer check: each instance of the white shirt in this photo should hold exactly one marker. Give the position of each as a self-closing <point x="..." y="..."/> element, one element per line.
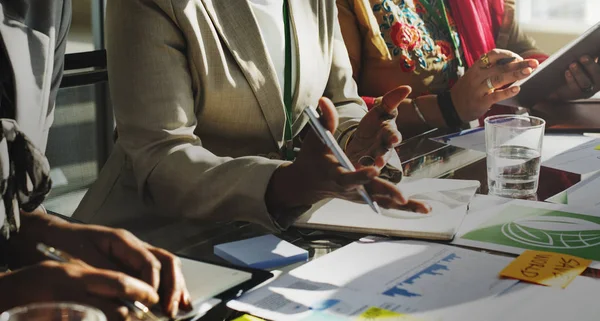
<point x="269" y="15"/>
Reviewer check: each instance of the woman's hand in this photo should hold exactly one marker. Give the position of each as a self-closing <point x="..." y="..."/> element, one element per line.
<point x="377" y="133"/>
<point x="582" y="80"/>
<point x="316" y="175"/>
<point x="110" y="249"/>
<point x="484" y="83"/>
<point x="50" y="281"/>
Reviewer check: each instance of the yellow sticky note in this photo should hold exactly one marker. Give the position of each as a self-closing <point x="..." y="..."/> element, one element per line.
<point x="546" y="268"/>
<point x="247" y="317"/>
<point x="597" y="147"/>
<point x="374" y="313"/>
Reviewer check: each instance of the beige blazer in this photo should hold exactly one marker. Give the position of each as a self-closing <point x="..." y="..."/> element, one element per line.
<point x="197" y="100"/>
<point x="35" y="37"/>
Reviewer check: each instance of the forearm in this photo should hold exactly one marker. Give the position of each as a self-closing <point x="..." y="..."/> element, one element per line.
<point x="409" y="122"/>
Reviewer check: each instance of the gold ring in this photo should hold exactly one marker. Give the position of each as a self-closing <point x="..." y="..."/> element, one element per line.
<point x="490" y="85"/>
<point x="485" y="60"/>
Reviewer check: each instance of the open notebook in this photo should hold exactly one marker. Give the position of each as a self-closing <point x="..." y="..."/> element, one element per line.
<point x="448" y="198"/>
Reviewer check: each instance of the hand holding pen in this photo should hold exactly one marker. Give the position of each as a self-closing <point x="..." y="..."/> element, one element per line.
<point x="317" y="174"/>
<point x="128" y="291"/>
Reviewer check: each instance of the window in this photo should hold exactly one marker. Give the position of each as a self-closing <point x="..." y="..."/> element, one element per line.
<point x="568" y="16"/>
<point x="78" y="140"/>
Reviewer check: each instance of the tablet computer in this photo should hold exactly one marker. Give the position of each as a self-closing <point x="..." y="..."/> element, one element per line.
<point x="208" y="280"/>
<point x="550" y="75"/>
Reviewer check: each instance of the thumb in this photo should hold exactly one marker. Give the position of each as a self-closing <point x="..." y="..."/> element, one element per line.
<point x="329" y="115"/>
<point x="392" y="99"/>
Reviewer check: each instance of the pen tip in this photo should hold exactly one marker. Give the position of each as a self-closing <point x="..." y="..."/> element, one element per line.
<point x="376" y="208"/>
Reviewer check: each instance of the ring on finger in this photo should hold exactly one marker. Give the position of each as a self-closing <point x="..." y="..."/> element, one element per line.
<point x="366" y="161"/>
<point x="485" y="60"/>
<point x="588" y="89"/>
<point x="490" y="85"/>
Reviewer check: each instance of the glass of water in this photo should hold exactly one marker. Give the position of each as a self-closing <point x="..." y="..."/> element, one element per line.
<point x="514" y="147"/>
<point x="54" y="311"/>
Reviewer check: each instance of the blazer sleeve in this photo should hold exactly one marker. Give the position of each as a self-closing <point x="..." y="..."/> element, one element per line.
<point x="511" y="37"/>
<point x="341" y="87"/>
<point x="153" y="97"/>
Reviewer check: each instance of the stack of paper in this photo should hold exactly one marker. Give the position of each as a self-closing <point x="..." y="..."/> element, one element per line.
<point x="262" y="252"/>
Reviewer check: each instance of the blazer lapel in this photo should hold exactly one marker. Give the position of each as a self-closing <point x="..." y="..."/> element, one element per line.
<point x="19" y="41"/>
<point x="307" y="65"/>
<point x="236" y="24"/>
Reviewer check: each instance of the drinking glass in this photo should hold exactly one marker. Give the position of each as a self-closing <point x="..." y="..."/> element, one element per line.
<point x="55" y="311"/>
<point x="514" y="146"/>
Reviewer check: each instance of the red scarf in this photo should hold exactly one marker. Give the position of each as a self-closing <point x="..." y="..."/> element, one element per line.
<point x="477" y="23"/>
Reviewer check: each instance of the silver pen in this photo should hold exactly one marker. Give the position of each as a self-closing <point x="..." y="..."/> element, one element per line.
<point x="327" y="138"/>
<point x="137" y="308"/>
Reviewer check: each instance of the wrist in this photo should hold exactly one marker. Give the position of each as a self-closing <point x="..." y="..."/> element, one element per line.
<point x="448" y="109"/>
<point x="282" y="189"/>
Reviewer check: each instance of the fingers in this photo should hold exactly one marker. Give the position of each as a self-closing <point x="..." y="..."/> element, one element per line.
<point x="329" y="115"/>
<point x="127" y="249"/>
<point x="117" y="285"/>
<point x="391" y="101"/>
<point x="501" y="94"/>
<point x="348" y="181"/>
<point x="502" y="79"/>
<point x="390" y="136"/>
<point x="417" y="207"/>
<point x="591" y="68"/>
<point x="383" y="190"/>
<point x="173" y="288"/>
<point x="571" y="90"/>
<point x="580" y="76"/>
<point x="110" y="308"/>
<point x="497" y="54"/>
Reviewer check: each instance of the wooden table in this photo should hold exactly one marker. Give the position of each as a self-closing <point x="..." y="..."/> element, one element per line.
<point x="421" y="157"/>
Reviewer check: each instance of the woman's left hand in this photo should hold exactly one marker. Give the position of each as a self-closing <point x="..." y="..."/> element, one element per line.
<point x="582" y="80"/>
<point x="377" y="134"/>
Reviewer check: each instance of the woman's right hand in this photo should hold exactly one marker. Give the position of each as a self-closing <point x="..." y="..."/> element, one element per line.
<point x="472" y="95"/>
<point x="65" y="282"/>
<point x="316" y="175"/>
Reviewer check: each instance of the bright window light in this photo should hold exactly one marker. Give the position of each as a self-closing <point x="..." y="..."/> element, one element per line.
<point x="569" y="16"/>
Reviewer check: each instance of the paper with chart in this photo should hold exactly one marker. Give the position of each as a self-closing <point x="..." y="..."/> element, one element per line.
<point x="423" y="280"/>
<point x="582" y="194"/>
<point x="519" y="225"/>
<point x="448" y="199"/>
<point x="583" y="159"/>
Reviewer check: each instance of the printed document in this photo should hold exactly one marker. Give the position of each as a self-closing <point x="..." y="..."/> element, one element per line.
<point x="519" y="225"/>
<point x="582" y="194"/>
<point x="421" y="281"/>
<point x="428" y="281"/>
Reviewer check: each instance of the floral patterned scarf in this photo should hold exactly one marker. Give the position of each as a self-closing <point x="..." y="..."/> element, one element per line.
<point x="477" y="23"/>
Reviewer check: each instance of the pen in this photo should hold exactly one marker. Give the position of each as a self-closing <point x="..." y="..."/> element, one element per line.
<point x="139" y="309"/>
<point x="327" y="138"/>
<point x="504" y="61"/>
